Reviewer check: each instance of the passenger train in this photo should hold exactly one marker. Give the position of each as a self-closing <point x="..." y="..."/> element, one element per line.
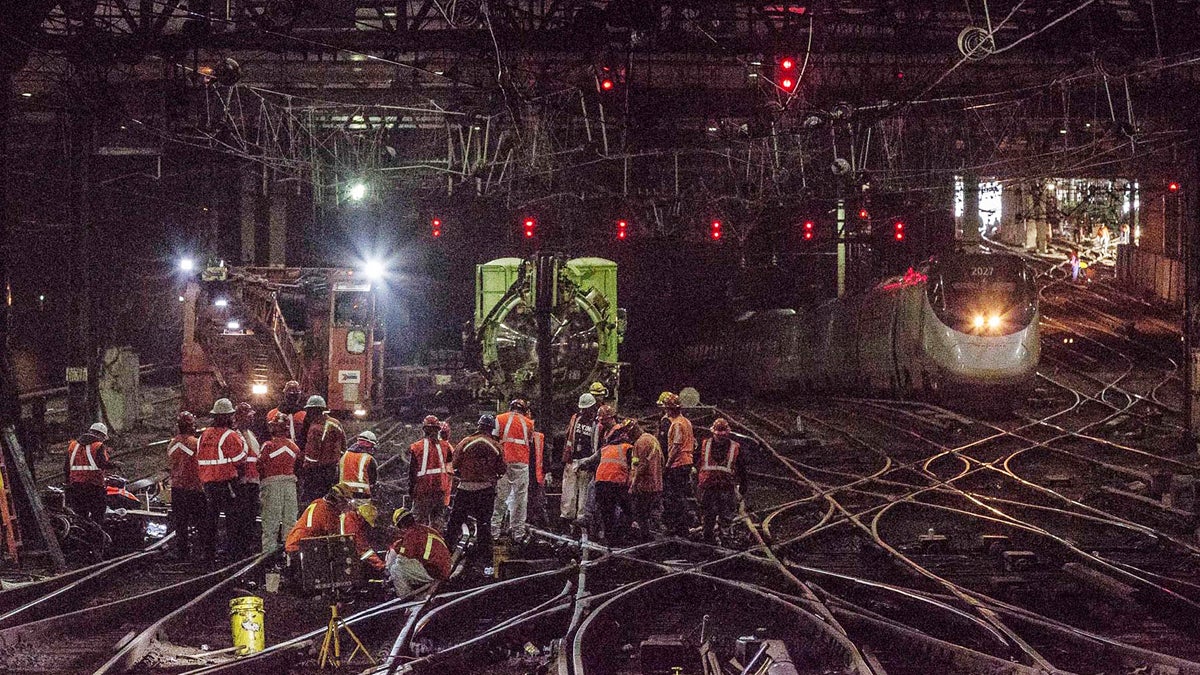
<point x="965" y="325"/>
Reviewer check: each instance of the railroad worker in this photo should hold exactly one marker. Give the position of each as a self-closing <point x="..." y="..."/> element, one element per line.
<point x="323" y="445"/>
<point x="536" y="513"/>
<point x="357" y="467"/>
<point x="583" y="442"/>
<point x="326" y="516"/>
<point x="645" y="483"/>
<point x="355" y="522"/>
<point x="220" y="456"/>
<point x="606" y="420"/>
<point x="721" y="478"/>
<point x="428" y="471"/>
<point x="277" y="474"/>
<point x="600" y="393"/>
<point x="244" y="540"/>
<point x="291" y="411"/>
<point x="681" y="444"/>
<point x="478" y="463"/>
<point x="188" y="505"/>
<point x="86" y="464"/>
<point x="419" y="555"/>
<point x="612" y="482"/>
<point x="512" y="490"/>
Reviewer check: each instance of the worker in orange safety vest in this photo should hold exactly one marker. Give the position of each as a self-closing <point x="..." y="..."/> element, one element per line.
<point x="612" y="482"/>
<point x="277" y="472"/>
<point x="512" y="490"/>
<point x="188" y="504"/>
<point x="220" y="457"/>
<point x="86" y="464"/>
<point x="357" y="467"/>
<point x="720" y="479"/>
<point x="325" y="440"/>
<point x="677" y="475"/>
<point x="428" y="471"/>
<point x="419" y="555"/>
<point x="291" y="411"/>
<point x="331" y="515"/>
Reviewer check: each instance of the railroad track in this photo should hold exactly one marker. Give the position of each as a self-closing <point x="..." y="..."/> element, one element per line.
<point x="111" y="616"/>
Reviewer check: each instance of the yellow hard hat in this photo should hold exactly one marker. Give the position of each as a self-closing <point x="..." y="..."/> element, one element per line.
<point x="339" y="491"/>
<point x="598" y="389"/>
<point x="369" y="513"/>
<point x="399" y="515"/>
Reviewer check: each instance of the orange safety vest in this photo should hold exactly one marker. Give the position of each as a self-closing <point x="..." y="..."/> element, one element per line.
<point x="318" y="520"/>
<point x="681" y="433"/>
<point x="432" y="472"/>
<point x="219" y="454"/>
<point x="352" y="468"/>
<point x="185" y="473"/>
<point x="708" y="470"/>
<point x="83" y="463"/>
<point x="295" y="422"/>
<point x="516" y="430"/>
<point x="614" y="464"/>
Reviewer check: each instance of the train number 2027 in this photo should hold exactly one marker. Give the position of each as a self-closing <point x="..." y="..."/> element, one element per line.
<point x="982" y="271"/>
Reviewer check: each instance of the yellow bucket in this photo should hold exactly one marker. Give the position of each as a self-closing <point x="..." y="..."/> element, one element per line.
<point x="246" y="620"/>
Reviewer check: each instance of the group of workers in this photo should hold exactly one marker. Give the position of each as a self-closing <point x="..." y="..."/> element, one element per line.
<point x="619" y="479"/>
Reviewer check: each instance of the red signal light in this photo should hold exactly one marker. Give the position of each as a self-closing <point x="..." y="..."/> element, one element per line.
<point x="863" y="214"/>
<point x="899" y="230"/>
<point x="787" y="63"/>
<point x="606" y="85"/>
<point x="787" y="84"/>
<point x="809" y="227"/>
<point x="1173" y="187"/>
<point x="530" y="225"/>
<point x="715" y="230"/>
<point x="436" y="228"/>
<point x="622" y="229"/>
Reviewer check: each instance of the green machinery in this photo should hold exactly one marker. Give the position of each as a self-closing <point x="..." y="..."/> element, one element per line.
<point x="516" y="309"/>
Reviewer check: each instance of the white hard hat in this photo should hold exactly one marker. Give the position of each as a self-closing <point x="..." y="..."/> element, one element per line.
<point x="586" y="400"/>
<point x="368" y="436"/>
<point x="100" y="428"/>
<point x="315" y="401"/>
<point x="223" y="406"/>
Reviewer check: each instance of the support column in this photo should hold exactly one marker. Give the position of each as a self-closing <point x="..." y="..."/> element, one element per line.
<point x="81" y="407"/>
<point x="970" y="219"/>
<point x="249" y="215"/>
<point x="1190" y="226"/>
<point x="841" y="247"/>
<point x="277" y="234"/>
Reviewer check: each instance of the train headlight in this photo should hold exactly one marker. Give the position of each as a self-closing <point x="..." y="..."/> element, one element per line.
<point x="259" y="389"/>
<point x="979" y="321"/>
<point x="993" y="321"/>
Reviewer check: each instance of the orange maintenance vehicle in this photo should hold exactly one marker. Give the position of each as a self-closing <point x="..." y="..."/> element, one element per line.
<point x="248" y="330"/>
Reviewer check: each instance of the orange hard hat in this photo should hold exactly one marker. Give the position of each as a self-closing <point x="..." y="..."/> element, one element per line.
<point x="720" y="426"/>
<point x="606" y="412"/>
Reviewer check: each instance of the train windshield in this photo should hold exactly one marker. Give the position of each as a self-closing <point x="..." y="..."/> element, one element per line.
<point x="983" y="294"/>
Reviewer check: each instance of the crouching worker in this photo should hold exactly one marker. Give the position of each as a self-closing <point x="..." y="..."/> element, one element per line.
<point x="332" y="515"/>
<point x="418" y="557"/>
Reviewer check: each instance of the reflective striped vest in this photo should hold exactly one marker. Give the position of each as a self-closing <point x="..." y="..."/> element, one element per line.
<point x="431" y="472"/>
<point x="84" y="468"/>
<point x="278" y="458"/>
<point x="426" y="545"/>
<point x="220" y="452"/>
<point x="295" y="422"/>
<point x="185" y="472"/>
<point x="516" y="430"/>
<point x="352" y="469"/>
<point x="318" y="520"/>
<point x="614" y="463"/>
<point x="710" y="471"/>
